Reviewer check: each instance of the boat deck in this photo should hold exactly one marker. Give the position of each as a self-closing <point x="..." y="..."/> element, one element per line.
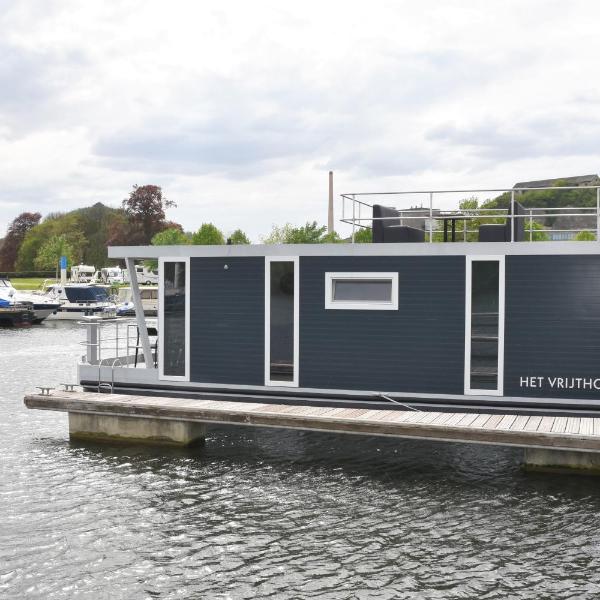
<point x="580" y="434"/>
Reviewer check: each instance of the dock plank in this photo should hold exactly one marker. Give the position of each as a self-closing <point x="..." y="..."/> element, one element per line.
<point x="562" y="433"/>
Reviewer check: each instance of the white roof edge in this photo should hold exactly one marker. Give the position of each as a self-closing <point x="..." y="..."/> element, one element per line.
<point x="412" y="249"/>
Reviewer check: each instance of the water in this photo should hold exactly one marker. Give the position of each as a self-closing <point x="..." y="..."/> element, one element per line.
<point x="261" y="513"/>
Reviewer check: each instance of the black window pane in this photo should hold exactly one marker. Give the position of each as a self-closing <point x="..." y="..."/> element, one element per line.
<point x="282" y="321"/>
<point x="174" y="318"/>
<point x="485" y="296"/>
<point x="362" y="290"/>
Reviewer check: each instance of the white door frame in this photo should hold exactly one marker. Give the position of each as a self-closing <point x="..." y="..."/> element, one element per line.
<point x="161" y="317"/>
<point x="296" y="361"/>
<point x="499" y="391"/>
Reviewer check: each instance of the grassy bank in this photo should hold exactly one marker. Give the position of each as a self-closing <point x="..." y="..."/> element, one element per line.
<point x="27" y="283"/>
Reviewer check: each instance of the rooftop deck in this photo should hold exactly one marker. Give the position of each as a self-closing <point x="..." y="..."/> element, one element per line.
<point x="433" y="210"/>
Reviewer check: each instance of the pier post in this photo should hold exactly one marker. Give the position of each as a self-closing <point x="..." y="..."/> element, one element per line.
<point x="92" y="354"/>
<point x="113" y="428"/>
<point x="545" y="459"/>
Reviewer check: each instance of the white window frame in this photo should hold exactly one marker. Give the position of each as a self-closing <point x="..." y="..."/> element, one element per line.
<point x="296" y="359"/>
<point x="499" y="391"/>
<point x="331" y="304"/>
<point x="161" y="317"/>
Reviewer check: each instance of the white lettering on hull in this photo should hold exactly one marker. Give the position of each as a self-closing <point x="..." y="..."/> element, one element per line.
<point x="559" y="383"/>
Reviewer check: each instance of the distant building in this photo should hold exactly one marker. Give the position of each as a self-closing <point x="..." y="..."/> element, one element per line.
<point x="578" y="181"/>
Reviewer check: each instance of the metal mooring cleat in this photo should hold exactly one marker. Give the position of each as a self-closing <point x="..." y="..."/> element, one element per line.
<point x="69" y="387"/>
<point x="44" y="390"/>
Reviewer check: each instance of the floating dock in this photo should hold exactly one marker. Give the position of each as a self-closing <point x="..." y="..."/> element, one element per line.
<point x="550" y="442"/>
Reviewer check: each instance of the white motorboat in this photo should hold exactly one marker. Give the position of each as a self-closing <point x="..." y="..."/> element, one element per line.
<point x="41" y="305"/>
<point x="79" y="300"/>
<point x="148" y="295"/>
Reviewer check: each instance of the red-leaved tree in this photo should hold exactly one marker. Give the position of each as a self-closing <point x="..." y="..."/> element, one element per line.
<point x="145" y="212"/>
<point x="14" y="237"/>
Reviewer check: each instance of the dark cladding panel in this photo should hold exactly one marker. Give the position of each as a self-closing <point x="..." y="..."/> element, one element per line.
<point x="418" y="348"/>
<point x="552" y="330"/>
<point x="227" y="320"/>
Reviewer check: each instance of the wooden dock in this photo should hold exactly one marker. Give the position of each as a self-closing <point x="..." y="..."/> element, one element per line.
<point x="549" y="441"/>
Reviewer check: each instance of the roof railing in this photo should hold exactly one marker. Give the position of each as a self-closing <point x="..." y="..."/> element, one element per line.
<point x="356" y="208"/>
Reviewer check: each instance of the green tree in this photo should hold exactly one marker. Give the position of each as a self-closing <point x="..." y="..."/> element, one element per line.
<point x="311" y="233"/>
<point x="170" y="237"/>
<point x="539" y="234"/>
<point x="239" y="237"/>
<point x="585" y="236"/>
<point x="208" y="234"/>
<point x="363" y="236"/>
<point x="70" y="225"/>
<point x="49" y="254"/>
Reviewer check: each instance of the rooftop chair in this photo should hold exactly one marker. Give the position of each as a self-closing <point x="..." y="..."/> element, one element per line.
<point x="390" y="231"/>
<point x="497" y="232"/>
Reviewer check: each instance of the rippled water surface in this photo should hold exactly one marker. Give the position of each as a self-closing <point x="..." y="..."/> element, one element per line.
<point x="262" y="513"/>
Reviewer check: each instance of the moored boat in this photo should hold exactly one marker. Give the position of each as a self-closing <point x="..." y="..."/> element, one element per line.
<point x="81" y="300"/>
<point x="41" y="306"/>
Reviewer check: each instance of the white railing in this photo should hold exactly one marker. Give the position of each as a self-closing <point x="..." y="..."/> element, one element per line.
<point x="112" y="342"/>
<point x="357" y="210"/>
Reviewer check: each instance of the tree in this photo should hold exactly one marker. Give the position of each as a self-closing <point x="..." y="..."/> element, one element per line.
<point x="239" y="237"/>
<point x="170" y="237"/>
<point x="15" y="235"/>
<point x="208" y="234"/>
<point x="70" y="225"/>
<point x="50" y="253"/>
<point x="310" y="233"/>
<point x="585" y="236"/>
<point x="145" y="212"/>
<point x="363" y="236"/>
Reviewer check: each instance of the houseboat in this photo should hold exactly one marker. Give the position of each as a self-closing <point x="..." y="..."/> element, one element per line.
<point x="425" y="315"/>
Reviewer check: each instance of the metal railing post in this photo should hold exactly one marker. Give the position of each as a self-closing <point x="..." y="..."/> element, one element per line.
<point x="430" y="217"/>
<point x="92" y="343"/>
<point x="597" y="214"/>
<point x="530" y="225"/>
<point x="512" y="216"/>
<point x="353" y="216"/>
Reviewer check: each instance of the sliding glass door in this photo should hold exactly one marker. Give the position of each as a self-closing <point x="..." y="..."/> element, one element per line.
<point x="484" y="325"/>
<point x="281" y="321"/>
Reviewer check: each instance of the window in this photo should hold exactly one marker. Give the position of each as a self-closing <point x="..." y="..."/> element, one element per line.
<point x="174" y="319"/>
<point x="361" y="291"/>
<point x="281" y="321"/>
<point x="484" y="325"/>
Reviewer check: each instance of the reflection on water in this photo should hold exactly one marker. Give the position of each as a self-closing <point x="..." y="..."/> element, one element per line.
<point x="260" y="513"/>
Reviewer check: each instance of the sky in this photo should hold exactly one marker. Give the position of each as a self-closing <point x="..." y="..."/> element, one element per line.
<point x="239" y="109"/>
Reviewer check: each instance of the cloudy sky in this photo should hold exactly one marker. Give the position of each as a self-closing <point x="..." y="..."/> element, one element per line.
<point x="239" y="109"/>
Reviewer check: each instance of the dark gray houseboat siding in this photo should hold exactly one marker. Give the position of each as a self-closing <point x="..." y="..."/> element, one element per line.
<point x="417" y="348"/>
<point x="552" y="326"/>
<point x="227" y="307"/>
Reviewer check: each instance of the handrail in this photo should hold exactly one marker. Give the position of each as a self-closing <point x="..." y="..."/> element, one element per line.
<point x="429" y="214"/>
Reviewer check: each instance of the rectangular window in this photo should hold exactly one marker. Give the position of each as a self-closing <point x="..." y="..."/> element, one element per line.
<point x="174" y="319"/>
<point x="281" y="321"/>
<point x="361" y="291"/>
<point x="484" y="356"/>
